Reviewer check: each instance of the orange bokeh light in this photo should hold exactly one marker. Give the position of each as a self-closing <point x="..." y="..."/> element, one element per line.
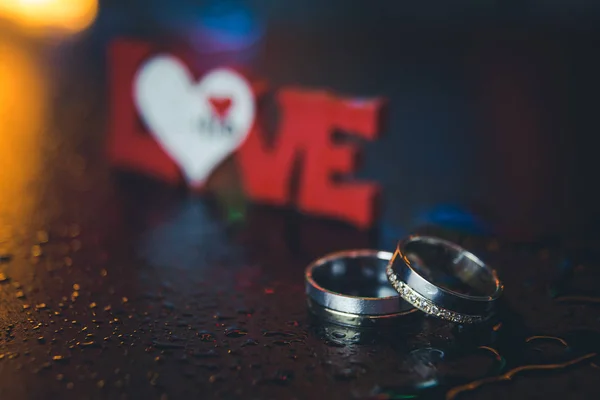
<point x="23" y="115"/>
<point x="69" y="16"/>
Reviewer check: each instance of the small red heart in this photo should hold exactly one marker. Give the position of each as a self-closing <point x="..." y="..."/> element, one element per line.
<point x="220" y="105"/>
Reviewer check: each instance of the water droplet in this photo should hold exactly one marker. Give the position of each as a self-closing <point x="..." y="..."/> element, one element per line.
<point x="20" y="294"/>
<point x="36" y="250"/>
<point x="206" y="336"/>
<point x="44" y="366"/>
<point x="245" y="311"/>
<point x="209" y="367"/>
<point x="278" y="333"/>
<point x="61" y="359"/>
<point x="42" y="236"/>
<point x="215" y="378"/>
<point x="41" y="306"/>
<point x="220" y="317"/>
<point x="338" y="335"/>
<point x="250" y="342"/>
<point x="4" y="278"/>
<point x="235" y="332"/>
<point x="93" y="305"/>
<point x="41" y="340"/>
<point x="282" y="377"/>
<point x="168" y="345"/>
<point x="74" y="230"/>
<point x="206" y="354"/>
<point x="75" y="245"/>
<point x="153" y="378"/>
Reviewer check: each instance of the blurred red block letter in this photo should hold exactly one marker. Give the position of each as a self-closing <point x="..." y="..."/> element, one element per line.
<point x="308" y="120"/>
<point x="129" y="144"/>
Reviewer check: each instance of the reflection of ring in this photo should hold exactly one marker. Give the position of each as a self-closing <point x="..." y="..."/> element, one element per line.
<point x="356" y="320"/>
<point x="444" y="280"/>
<point x="351" y="288"/>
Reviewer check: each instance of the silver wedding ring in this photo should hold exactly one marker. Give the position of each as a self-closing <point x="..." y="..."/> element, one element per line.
<point x="352" y="288"/>
<point x="442" y="279"/>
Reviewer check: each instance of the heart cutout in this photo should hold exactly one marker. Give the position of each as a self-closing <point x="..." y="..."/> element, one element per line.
<point x="220" y="106"/>
<point x="198" y="124"/>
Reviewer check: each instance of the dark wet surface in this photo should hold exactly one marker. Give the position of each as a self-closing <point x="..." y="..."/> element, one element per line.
<point x="152" y="293"/>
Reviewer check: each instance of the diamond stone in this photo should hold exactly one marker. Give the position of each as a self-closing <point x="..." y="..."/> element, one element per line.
<point x="427" y="306"/>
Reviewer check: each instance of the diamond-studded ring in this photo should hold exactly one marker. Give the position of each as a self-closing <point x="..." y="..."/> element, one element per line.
<point x="444" y="280"/>
<point x="351" y="288"/>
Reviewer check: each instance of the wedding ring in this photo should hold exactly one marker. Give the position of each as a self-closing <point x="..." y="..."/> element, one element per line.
<point x="351" y="288"/>
<point x="442" y="279"/>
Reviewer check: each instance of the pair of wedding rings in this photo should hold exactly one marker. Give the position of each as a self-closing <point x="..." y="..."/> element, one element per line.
<point x="369" y="287"/>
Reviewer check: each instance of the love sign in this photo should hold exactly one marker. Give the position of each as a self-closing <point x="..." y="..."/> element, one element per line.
<point x="193" y="120"/>
<point x="199" y="123"/>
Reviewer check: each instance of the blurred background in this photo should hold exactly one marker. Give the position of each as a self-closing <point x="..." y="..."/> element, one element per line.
<point x="491" y="127"/>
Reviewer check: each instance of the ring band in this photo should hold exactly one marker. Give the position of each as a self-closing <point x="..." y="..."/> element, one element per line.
<point x="442" y="279"/>
<point x="353" y="289"/>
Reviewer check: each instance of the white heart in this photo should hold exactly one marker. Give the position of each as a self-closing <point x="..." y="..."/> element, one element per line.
<point x="179" y="113"/>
